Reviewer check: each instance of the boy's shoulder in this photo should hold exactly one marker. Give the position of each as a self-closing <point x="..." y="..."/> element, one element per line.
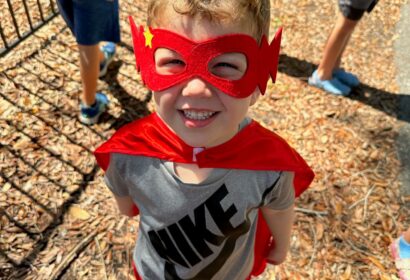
<point x="252" y="148"/>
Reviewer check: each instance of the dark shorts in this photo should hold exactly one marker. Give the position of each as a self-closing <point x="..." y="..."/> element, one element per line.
<point x="354" y="9"/>
<point x="91" y="21"/>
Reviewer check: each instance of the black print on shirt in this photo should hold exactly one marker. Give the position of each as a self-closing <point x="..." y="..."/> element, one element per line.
<point x="171" y="244"/>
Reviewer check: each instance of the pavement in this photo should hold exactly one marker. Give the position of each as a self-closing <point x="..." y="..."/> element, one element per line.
<point x="402" y="60"/>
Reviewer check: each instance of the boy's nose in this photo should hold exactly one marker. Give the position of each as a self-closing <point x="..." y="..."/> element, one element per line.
<point x="197" y="87"/>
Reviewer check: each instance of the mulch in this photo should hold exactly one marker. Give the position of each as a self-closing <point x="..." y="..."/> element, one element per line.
<point x="59" y="221"/>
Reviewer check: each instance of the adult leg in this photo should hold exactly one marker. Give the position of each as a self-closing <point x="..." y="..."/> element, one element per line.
<point x="322" y="77"/>
<point x="335" y="46"/>
<point x="339" y="58"/>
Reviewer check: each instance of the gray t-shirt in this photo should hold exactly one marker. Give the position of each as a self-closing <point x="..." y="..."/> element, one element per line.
<point x="196" y="231"/>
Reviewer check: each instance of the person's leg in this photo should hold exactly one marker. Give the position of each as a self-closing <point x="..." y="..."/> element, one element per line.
<point x="93" y="103"/>
<point x="107" y="53"/>
<point x="339" y="58"/>
<point x="92" y="21"/>
<point x="335" y="46"/>
<point x="342" y="75"/>
<point x="90" y="59"/>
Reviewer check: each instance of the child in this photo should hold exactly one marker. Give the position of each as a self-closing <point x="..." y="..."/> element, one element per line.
<point x="91" y="22"/>
<point x="329" y="76"/>
<point x="400" y="250"/>
<point x="211" y="186"/>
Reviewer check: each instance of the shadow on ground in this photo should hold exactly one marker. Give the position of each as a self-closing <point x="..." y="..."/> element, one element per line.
<point x="132" y="107"/>
<point x="376" y="98"/>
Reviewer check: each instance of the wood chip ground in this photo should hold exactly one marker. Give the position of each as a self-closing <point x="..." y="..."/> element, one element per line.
<point x="59" y="221"/>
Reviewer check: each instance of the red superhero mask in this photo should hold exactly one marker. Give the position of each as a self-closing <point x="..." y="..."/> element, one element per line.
<point x="261" y="60"/>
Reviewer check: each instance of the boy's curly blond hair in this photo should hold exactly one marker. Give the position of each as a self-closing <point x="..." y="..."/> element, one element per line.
<point x="255" y="12"/>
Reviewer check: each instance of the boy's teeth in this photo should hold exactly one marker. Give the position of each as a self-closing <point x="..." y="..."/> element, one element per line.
<point x="195" y="115"/>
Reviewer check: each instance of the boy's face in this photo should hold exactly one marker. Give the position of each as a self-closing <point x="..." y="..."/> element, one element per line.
<point x="199" y="113"/>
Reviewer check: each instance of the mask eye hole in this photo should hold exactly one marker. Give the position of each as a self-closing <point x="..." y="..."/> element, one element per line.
<point x="229" y="66"/>
<point x="168" y="62"/>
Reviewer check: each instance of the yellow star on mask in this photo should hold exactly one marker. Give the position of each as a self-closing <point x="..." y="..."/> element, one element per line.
<point x="148" y="38"/>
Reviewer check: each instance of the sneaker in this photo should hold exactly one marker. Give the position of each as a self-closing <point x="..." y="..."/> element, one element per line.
<point x="109" y="52"/>
<point x="89" y="114"/>
<point x="333" y="86"/>
<point x="346" y="77"/>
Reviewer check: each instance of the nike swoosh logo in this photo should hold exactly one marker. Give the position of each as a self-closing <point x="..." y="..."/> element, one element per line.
<point x="211" y="269"/>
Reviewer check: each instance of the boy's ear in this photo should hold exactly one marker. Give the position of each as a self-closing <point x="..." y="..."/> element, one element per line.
<point x="254" y="97"/>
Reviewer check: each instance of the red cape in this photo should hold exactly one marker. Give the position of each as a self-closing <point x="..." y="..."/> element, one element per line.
<point x="253" y="148"/>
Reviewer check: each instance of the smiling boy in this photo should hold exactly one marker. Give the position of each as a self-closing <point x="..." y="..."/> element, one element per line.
<point x="211" y="186"/>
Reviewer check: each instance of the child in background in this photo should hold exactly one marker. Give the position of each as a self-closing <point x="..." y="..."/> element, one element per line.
<point x="400" y="250"/>
<point x="211" y="185"/>
<point x="91" y="22"/>
<point x="329" y="76"/>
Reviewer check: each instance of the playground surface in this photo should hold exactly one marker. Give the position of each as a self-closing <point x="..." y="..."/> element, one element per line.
<point x="59" y="221"/>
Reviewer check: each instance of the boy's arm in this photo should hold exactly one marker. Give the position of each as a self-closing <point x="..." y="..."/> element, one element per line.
<point x="126" y="205"/>
<point x="280" y="224"/>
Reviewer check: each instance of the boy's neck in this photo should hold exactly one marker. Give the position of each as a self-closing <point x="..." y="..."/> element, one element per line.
<point x="191" y="173"/>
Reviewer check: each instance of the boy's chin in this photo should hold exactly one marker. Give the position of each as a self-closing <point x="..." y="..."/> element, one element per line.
<point x="196" y="141"/>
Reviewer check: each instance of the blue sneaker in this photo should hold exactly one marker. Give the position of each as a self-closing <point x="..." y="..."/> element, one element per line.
<point x="400" y="251"/>
<point x="404" y="248"/>
<point x="89" y="114"/>
<point x="347" y="78"/>
<point x="333" y="86"/>
<point x="109" y="52"/>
